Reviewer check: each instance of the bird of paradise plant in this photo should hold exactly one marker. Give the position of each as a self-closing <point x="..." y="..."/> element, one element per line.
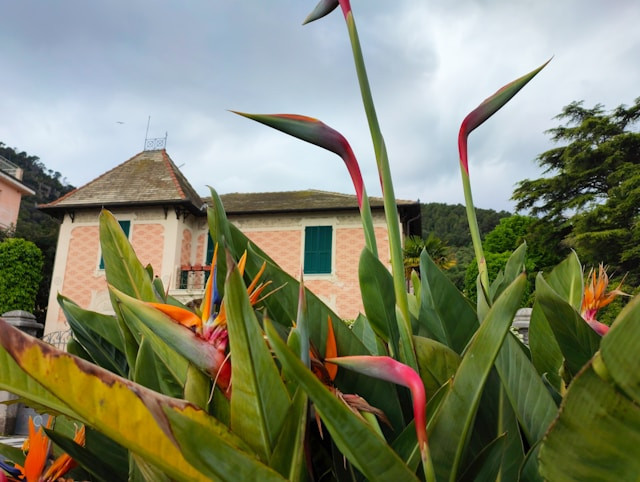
<point x="497" y="408"/>
<point x="38" y="449"/>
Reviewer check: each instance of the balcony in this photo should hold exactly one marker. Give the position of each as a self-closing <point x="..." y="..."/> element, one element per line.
<point x="193" y="277"/>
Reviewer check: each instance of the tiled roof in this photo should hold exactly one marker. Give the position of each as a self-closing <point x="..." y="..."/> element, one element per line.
<point x="148" y="178"/>
<point x="290" y="201"/>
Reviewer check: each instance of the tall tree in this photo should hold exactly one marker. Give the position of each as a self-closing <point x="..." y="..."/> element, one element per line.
<point x="590" y="200"/>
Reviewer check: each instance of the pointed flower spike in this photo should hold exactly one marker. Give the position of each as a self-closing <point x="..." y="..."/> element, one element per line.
<point x="331" y="350"/>
<point x="318" y="133"/>
<point x="207" y="302"/>
<point x="489" y="107"/>
<point x="38" y="453"/>
<point x="324" y="7"/>
<point x="596" y="297"/>
<point x="65" y="463"/>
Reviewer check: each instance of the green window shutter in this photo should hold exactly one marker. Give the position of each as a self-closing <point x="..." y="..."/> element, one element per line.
<point x="317" y="249"/>
<point x="126" y="226"/>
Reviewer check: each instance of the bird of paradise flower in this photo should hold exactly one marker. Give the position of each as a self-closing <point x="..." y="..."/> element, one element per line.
<point x="38" y="448"/>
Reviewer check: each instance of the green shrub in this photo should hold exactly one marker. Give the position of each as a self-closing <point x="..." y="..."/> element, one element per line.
<point x="20" y="274"/>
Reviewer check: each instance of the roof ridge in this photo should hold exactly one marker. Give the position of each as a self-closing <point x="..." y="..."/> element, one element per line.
<point x="167" y="160"/>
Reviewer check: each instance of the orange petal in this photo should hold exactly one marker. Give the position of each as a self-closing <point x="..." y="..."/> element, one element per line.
<point x="38" y="452"/>
<point x="331" y="351"/>
<point x="180" y="315"/>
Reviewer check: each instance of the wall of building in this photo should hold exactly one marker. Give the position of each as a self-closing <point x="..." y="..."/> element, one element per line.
<point x="77" y="273"/>
<point x="169" y="243"/>
<point x="9" y="204"/>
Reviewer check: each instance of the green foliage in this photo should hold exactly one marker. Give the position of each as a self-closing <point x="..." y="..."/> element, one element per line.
<point x="20" y="274"/>
<point x="508" y="234"/>
<point x="33" y="224"/>
<point x="495" y="263"/>
<point x="589" y="199"/>
<point x="449" y="222"/>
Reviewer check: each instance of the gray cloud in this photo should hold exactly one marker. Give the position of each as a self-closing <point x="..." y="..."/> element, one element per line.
<point x="72" y="69"/>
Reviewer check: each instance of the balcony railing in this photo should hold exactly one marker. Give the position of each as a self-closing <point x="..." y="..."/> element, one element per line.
<point x="193" y="277"/>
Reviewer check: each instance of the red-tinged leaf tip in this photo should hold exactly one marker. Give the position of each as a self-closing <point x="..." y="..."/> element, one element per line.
<point x="324" y="7"/>
<point x="489" y="107"/>
<point x="318" y="133"/>
<point x="388" y="369"/>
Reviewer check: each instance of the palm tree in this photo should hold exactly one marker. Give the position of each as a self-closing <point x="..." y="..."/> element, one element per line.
<point x="439" y="251"/>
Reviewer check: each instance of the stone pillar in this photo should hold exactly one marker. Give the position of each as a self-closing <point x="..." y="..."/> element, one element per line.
<point x="521" y="323"/>
<point x="26" y="322"/>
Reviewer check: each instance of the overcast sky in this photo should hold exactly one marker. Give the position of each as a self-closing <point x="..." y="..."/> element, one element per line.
<point x="81" y="78"/>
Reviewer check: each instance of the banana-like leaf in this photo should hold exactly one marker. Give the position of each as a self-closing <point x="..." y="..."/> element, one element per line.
<point x="486" y="466"/>
<point x="354" y="437"/>
<point x="576" y="339"/>
<point x="172" y="342"/>
<point x="151" y="372"/>
<point x="363" y="330"/>
<point x="98" y="334"/>
<point x="620" y="350"/>
<point x="259" y="399"/>
<point x="95" y="460"/>
<point x="376" y="286"/>
<point x="106" y="326"/>
<point x="97" y="398"/>
<point x="597" y="433"/>
<point x="526" y="391"/>
<point x="202" y="440"/>
<point x="122" y="268"/>
<point x="545" y="351"/>
<point x="514" y="266"/>
<point x="15" y="380"/>
<point x="447" y="314"/>
<point x="437" y="363"/>
<point x="454" y="420"/>
<point x="566" y="279"/>
<point x="288" y="454"/>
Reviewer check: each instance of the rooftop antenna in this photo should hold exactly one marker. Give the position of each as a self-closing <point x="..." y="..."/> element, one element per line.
<point x="156" y="143"/>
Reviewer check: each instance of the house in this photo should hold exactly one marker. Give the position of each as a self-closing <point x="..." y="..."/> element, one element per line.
<point x="165" y="220"/>
<point x="11" y="192"/>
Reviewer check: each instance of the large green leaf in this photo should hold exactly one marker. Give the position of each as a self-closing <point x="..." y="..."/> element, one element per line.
<point x="97" y="398"/>
<point x="98" y="334"/>
<point x="259" y="398"/>
<point x="525" y="389"/>
<point x="514" y="266"/>
<point x="445" y="312"/>
<point x="454" y="420"/>
<point x="153" y="373"/>
<point x="566" y="280"/>
<point x="376" y="286"/>
<point x="437" y="363"/>
<point x="122" y="268"/>
<point x="597" y="434"/>
<point x="354" y="437"/>
<point x="576" y="339"/>
<point x="363" y="330"/>
<point x="205" y="444"/>
<point x="106" y="326"/>
<point x="545" y="351"/>
<point x="620" y="348"/>
<point x="172" y="342"/>
<point x="288" y="454"/>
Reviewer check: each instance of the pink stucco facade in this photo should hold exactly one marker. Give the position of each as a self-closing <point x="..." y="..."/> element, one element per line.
<point x="172" y="245"/>
<point x="10" y="197"/>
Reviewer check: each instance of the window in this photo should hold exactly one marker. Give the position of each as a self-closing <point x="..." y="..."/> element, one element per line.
<point x="126" y="226"/>
<point x="317" y="249"/>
